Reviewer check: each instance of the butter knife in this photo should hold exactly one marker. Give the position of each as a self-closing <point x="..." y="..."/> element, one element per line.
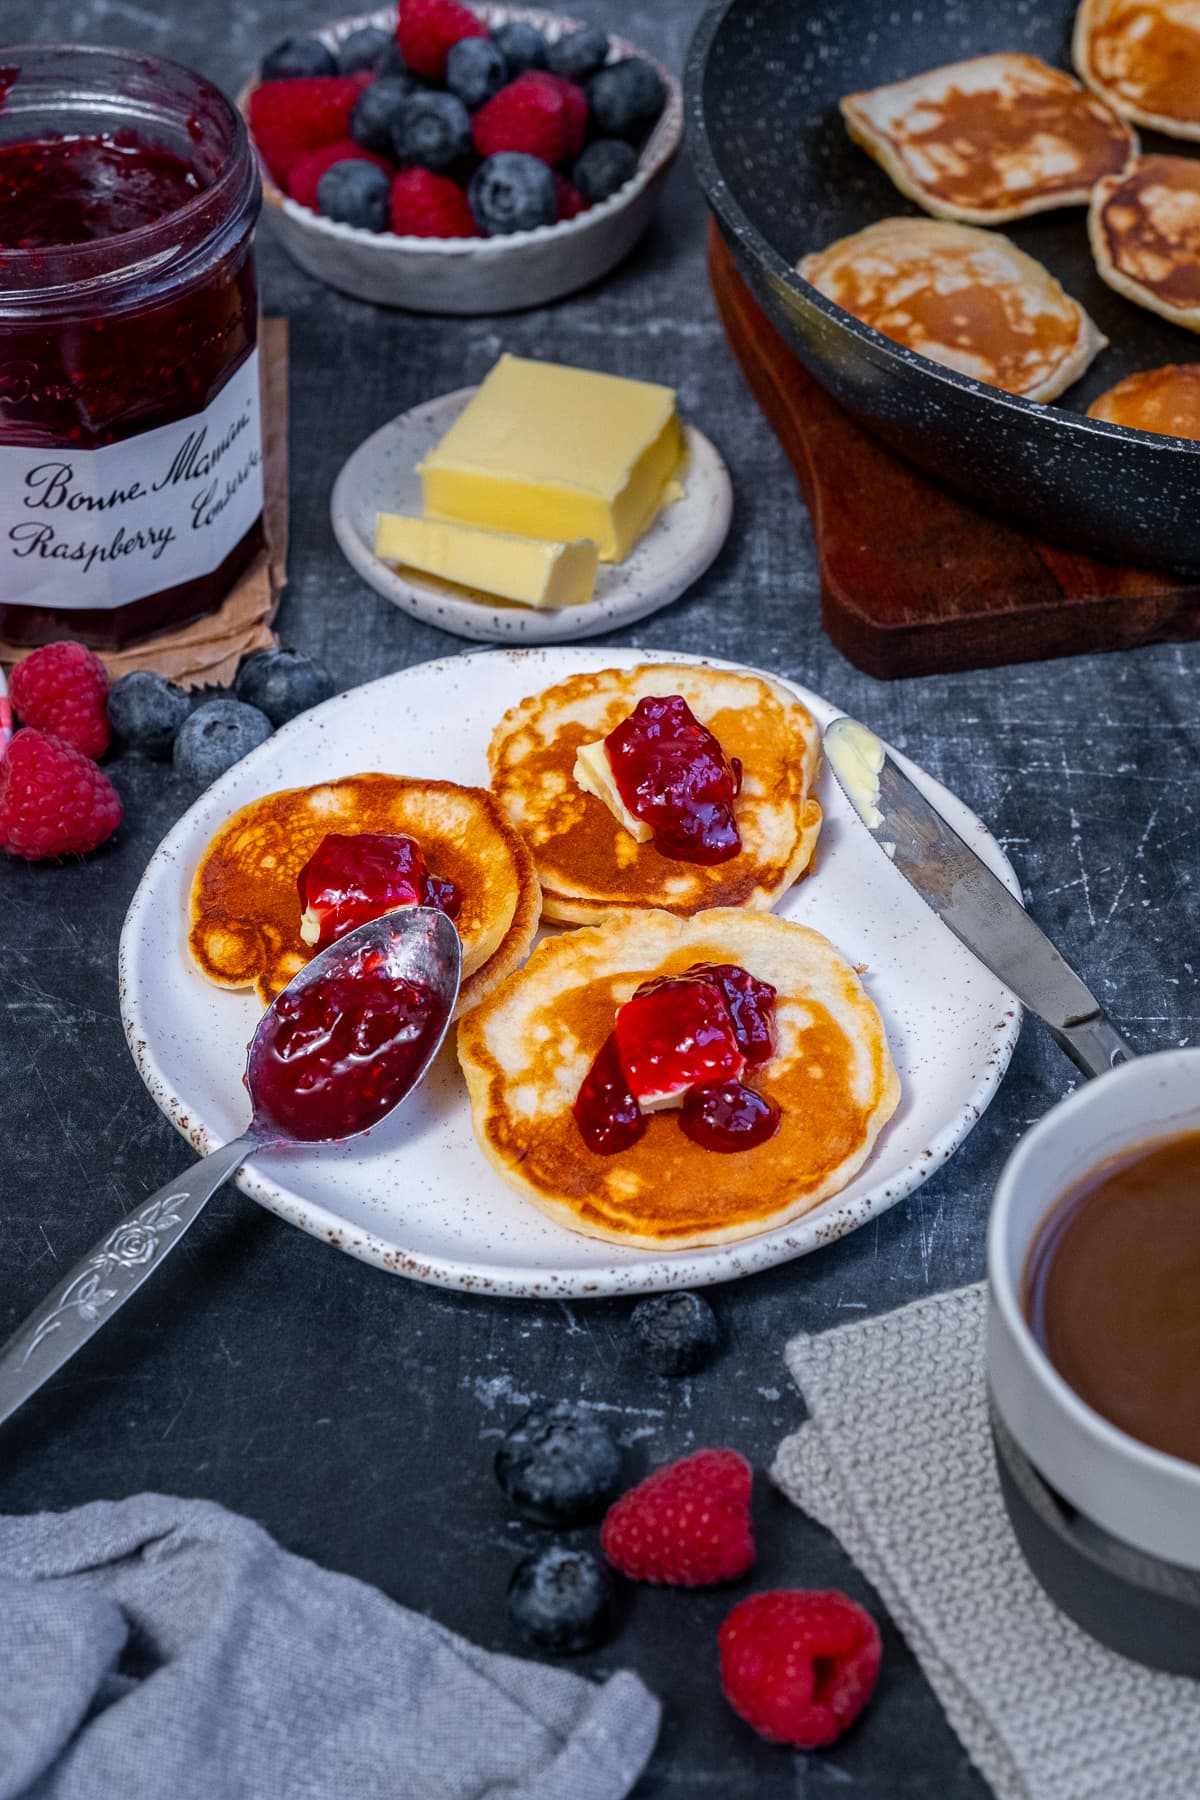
<point x="972" y="902"/>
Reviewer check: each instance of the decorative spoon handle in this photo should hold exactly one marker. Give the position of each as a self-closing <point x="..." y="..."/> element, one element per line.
<point x="116" y="1267"/>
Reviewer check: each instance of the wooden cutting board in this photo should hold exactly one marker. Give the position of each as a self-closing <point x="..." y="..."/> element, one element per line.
<point x="913" y="580"/>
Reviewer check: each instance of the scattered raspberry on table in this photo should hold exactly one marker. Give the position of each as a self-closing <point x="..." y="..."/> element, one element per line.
<point x="63" y="689"/>
<point x="799" y="1665"/>
<point x="54" y="801"/>
<point x="687" y="1525"/>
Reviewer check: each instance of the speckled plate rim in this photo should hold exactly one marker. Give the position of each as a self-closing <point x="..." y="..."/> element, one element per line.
<point x="655" y="155"/>
<point x="887" y="353"/>
<point x="638" y="1272"/>
<point x="682" y="543"/>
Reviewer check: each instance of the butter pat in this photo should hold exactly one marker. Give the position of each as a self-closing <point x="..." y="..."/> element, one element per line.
<point x="856" y="755"/>
<point x="593" y="773"/>
<point x="531" y="570"/>
<point x="551" y="452"/>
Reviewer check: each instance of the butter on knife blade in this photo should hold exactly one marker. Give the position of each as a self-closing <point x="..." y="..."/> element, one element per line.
<point x="856" y="757"/>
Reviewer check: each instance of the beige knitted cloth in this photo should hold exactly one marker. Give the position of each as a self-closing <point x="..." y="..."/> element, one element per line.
<point x="895" y="1459"/>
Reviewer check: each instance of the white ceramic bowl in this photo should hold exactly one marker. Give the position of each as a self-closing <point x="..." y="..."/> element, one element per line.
<point x="1147" y="1498"/>
<point x="481" y="275"/>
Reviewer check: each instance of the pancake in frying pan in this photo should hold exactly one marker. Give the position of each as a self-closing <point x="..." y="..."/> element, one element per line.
<point x="245" y="906"/>
<point x="1165" y="400"/>
<point x="526" y="1049"/>
<point x="587" y="862"/>
<point x="1145" y="232"/>
<point x="1143" y="57"/>
<point x="966" y="298"/>
<point x="992" y="139"/>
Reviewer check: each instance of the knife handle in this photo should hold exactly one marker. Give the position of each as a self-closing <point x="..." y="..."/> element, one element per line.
<point x="1094" y="1044"/>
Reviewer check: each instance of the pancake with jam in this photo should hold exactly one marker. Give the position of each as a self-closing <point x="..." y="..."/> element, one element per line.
<point x="591" y="856"/>
<point x="992" y="139"/>
<point x="822" y="1078"/>
<point x="1143" y="57"/>
<point x="1145" y="232"/>
<point x="246" y="909"/>
<point x="966" y="298"/>
<point x="1165" y="400"/>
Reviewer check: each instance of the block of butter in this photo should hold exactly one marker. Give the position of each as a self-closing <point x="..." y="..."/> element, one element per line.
<point x="552" y="452"/>
<point x="531" y="570"/>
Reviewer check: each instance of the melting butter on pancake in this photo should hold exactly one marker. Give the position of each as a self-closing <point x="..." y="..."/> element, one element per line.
<point x="587" y="863"/>
<point x="992" y="139"/>
<point x="527" y="1048"/>
<point x="245" y="907"/>
<point x="966" y="298"/>
<point x="1143" y="57"/>
<point x="1165" y="400"/>
<point x="1145" y="232"/>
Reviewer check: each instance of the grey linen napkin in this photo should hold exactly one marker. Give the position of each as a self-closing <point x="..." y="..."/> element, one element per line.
<point x="896" y="1459"/>
<point x="163" y="1649"/>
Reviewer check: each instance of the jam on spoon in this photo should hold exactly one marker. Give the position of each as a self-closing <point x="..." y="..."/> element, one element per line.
<point x="353" y="877"/>
<point x="684" y="1039"/>
<point x="672" y="774"/>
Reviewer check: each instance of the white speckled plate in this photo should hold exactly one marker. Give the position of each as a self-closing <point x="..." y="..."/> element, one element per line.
<point x="381" y="476"/>
<point x="417" y="1196"/>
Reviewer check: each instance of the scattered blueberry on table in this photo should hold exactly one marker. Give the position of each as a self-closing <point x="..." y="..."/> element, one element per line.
<point x="282" y="683"/>
<point x="675" y="1334"/>
<point x="146" y="711"/>
<point x="558" y="1599"/>
<point x="559" y="1465"/>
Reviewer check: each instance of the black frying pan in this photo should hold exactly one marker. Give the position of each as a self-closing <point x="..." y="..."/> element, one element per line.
<point x="762" y="85"/>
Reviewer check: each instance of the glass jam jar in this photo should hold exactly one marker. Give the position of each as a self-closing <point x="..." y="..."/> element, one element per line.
<point x="131" y="475"/>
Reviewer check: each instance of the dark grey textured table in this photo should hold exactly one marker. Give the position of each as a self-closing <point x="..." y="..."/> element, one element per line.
<point x="355" y="1414"/>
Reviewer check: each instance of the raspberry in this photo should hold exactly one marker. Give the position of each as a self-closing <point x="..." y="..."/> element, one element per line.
<point x="429" y="205"/>
<point x="533" y="115"/>
<point x="427" y="31"/>
<point x="290" y="119"/>
<point x="304" y="176"/>
<point x="799" y="1665"/>
<point x="63" y="689"/>
<point x="53" y="799"/>
<point x="570" y="201"/>
<point x="575" y="112"/>
<point x="686" y="1525"/>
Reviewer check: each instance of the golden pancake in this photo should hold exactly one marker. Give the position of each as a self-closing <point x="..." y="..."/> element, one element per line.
<point x="588" y="863"/>
<point x="527" y="1048"/>
<point x="1145" y="232"/>
<point x="966" y="298"/>
<point x="1165" y="400"/>
<point x="992" y="139"/>
<point x="1143" y="57"/>
<point x="245" y="907"/>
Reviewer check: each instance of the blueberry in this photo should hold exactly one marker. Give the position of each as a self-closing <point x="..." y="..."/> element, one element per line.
<point x="675" y="1333"/>
<point x="558" y="1599"/>
<point x="371" y="47"/>
<point x="578" y="54"/>
<point x="434" y="131"/>
<point x="375" y="115"/>
<point x="296" y="57"/>
<point x="604" y="167"/>
<point x="625" y="98"/>
<point x="522" y="46"/>
<point x="475" y="70"/>
<point x="512" y="192"/>
<point x="355" y="193"/>
<point x="145" y="711"/>
<point x="282" y="683"/>
<point x="215" y="736"/>
<point x="559" y="1465"/>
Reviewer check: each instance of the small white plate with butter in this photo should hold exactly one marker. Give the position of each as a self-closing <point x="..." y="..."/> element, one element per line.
<point x="381" y="477"/>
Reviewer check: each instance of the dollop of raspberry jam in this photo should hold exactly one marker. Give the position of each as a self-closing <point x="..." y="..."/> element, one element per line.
<point x="353" y="877"/>
<point x="672" y="773"/>
<point x="337" y="1054"/>
<point x="76" y="189"/>
<point x="694" y="1033"/>
<point x="728" y="1116"/>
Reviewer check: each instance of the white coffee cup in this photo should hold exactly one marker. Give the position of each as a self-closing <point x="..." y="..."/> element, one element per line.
<point x="1143" y="1496"/>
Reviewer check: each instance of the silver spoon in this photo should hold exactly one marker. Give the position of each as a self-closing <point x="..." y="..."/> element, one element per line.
<point x="417" y="943"/>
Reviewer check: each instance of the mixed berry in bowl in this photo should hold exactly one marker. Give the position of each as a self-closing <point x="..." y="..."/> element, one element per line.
<point x="438" y="126"/>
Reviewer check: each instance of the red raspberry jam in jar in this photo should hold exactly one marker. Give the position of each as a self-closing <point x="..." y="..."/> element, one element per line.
<point x="131" y="475"/>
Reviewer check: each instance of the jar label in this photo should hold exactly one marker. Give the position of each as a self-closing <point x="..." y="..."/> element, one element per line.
<point x="95" y="529"/>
